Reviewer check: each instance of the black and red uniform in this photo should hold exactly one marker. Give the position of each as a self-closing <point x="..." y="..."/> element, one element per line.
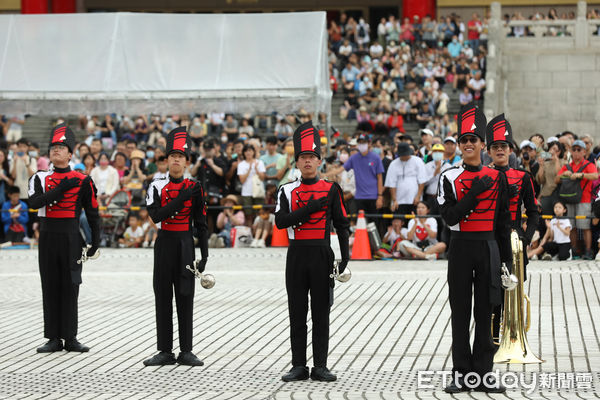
<point x="307" y="208"/>
<point x="480" y="240"/>
<point x="521" y="194"/>
<point x="175" y="214"/>
<point x="59" y="195"/>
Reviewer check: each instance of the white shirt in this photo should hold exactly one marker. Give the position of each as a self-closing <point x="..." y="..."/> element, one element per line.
<point x="432" y="184"/>
<point x="134" y="234"/>
<point x="560" y="237"/>
<point x="243" y="168"/>
<point x="477" y="84"/>
<point x="405" y="177"/>
<point x="160" y="175"/>
<point x="347" y="182"/>
<point x="420" y="231"/>
<point x="393" y="236"/>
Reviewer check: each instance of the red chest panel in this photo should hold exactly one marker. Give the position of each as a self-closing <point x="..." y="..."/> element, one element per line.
<point x="481" y="219"/>
<point x="316" y="227"/>
<point x="66" y="207"/>
<point x="514" y="177"/>
<point x="181" y="220"/>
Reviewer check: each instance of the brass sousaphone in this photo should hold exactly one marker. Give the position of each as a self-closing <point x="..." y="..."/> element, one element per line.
<point x="514" y="348"/>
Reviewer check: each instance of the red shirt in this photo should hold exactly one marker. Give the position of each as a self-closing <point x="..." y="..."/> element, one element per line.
<point x="586" y="184"/>
<point x="473" y="34"/>
<point x="396" y="121"/>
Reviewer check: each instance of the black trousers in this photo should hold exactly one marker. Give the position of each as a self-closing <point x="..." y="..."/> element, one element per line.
<point x="367" y="205"/>
<point x="171" y="254"/>
<point x="468" y="274"/>
<point x="60" y="275"/>
<point x="307" y="270"/>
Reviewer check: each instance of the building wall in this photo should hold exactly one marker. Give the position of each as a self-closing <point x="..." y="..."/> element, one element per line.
<point x="550" y="91"/>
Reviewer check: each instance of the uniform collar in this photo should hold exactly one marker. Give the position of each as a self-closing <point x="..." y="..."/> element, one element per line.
<point x="176" y="180"/>
<point x="62" y="170"/>
<point x="309" y="181"/>
<point x="503" y="169"/>
<point x="472" y="168"/>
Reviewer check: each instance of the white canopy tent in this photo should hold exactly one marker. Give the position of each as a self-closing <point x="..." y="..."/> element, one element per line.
<point x="61" y="64"/>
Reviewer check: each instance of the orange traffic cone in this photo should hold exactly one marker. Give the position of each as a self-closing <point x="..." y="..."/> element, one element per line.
<point x="279" y="237"/>
<point x="361" y="250"/>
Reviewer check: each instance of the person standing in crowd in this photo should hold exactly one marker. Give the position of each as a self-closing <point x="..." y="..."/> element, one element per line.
<point x="5" y="178"/>
<point x="473" y="201"/>
<point x="521" y="193"/>
<point x="529" y="161"/>
<point x="176" y="205"/>
<point x="106" y="179"/>
<point x="60" y="194"/>
<point x="434" y="169"/>
<point x="210" y="171"/>
<point x="553" y="161"/>
<point x="22" y="168"/>
<point x="270" y="159"/>
<point x="368" y="172"/>
<point x="406" y="178"/>
<point x="306" y="208"/>
<point x="251" y="173"/>
<point x="450" y="156"/>
<point x="286" y="165"/>
<point x="583" y="171"/>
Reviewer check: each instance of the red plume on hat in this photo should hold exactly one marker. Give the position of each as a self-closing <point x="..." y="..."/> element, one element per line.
<point x="307" y="140"/>
<point x="498" y="130"/>
<point x="471" y="121"/>
<point x="62" y="134"/>
<point x="179" y="140"/>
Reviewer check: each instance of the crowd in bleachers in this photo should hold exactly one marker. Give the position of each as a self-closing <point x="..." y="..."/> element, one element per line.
<point x="401" y="74"/>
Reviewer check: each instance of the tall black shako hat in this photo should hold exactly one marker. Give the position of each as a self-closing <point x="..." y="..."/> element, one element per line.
<point x="307" y="140"/>
<point x="498" y="130"/>
<point x="62" y="134"/>
<point x="471" y="121"/>
<point x="179" y="140"/>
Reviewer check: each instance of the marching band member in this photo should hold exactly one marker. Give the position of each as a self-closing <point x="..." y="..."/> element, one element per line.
<point x="176" y="204"/>
<point x="473" y="201"/>
<point x="521" y="193"/>
<point x="307" y="207"/>
<point x="60" y="194"/>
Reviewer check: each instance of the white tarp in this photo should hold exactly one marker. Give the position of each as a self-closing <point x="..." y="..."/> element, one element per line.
<point x="166" y="63"/>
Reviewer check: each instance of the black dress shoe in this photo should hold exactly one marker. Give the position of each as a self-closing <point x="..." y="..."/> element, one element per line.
<point x="188" y="358"/>
<point x="162" y="358"/>
<point x="491" y="386"/>
<point x="296" y="374"/>
<point x="453" y="387"/>
<point x="322" y="374"/>
<point x="74" y="345"/>
<point x="52" y="346"/>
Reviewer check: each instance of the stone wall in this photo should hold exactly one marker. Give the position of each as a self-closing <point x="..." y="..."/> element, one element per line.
<point x="552" y="91"/>
<point x="545" y="84"/>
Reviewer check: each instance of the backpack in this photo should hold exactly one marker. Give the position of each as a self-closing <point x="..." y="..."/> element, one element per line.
<point x="570" y="191"/>
<point x="361" y="32"/>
